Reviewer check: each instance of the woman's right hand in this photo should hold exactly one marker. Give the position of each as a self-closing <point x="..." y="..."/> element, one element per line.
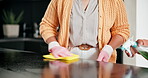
<point x="57" y="50"/>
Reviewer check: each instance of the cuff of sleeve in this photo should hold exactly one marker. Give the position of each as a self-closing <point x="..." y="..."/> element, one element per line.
<point x="108" y="49"/>
<point x="53" y="44"/>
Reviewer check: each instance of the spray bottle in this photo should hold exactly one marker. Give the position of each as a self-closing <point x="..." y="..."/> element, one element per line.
<point x="143" y="50"/>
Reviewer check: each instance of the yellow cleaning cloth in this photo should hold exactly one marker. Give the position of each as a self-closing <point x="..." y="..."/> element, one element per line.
<point x="64" y="61"/>
<point x="50" y="56"/>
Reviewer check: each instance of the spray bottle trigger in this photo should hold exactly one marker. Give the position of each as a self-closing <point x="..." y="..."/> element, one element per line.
<point x="135" y="44"/>
<point x="128" y="50"/>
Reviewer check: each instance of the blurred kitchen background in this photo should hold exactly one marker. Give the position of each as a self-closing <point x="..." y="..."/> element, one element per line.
<point x="34" y="10"/>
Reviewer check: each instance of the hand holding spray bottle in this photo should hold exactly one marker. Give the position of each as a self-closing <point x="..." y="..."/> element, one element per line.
<point x="143" y="50"/>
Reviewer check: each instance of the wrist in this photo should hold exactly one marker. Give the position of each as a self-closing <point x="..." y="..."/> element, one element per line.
<point x="108" y="49"/>
<point x="52" y="44"/>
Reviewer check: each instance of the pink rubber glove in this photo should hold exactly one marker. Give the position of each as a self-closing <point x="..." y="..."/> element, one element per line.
<point x="57" y="50"/>
<point x="105" y="53"/>
<point x="103" y="56"/>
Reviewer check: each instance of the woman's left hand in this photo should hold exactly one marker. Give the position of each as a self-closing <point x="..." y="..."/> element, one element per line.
<point x="105" y="53"/>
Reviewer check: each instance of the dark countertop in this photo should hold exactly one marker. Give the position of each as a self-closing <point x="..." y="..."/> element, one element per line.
<point x="37" y="45"/>
<point x="26" y="64"/>
<point x="25" y="44"/>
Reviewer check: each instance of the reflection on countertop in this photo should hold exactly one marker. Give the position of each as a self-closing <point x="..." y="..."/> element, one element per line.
<point x="32" y="65"/>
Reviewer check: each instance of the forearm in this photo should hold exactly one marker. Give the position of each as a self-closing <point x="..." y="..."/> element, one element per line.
<point x="116" y="41"/>
<point x="51" y="39"/>
<point x="107" y="50"/>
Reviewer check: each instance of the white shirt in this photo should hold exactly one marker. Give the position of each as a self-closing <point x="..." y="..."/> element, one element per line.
<point x="84" y="24"/>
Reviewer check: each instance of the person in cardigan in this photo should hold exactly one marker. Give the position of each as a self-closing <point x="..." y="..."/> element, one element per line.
<point x="92" y="29"/>
<point x="140" y="42"/>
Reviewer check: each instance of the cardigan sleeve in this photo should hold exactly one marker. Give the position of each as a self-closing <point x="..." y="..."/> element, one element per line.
<point x="49" y="23"/>
<point x="121" y="26"/>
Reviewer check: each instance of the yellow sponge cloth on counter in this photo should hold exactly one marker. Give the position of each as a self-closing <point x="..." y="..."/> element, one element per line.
<point x="50" y="56"/>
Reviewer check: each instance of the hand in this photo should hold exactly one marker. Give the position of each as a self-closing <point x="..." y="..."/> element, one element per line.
<point x="103" y="56"/>
<point x="57" y="50"/>
<point x="140" y="42"/>
<point x="133" y="51"/>
<point x="105" y="53"/>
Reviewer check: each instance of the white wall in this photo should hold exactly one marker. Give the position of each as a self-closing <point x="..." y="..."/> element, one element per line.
<point x="131" y="14"/>
<point x="142" y="19"/>
<point x="138" y="19"/>
<point x="142" y="27"/>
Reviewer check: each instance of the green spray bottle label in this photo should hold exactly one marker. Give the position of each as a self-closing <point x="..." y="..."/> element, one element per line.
<point x="143" y="50"/>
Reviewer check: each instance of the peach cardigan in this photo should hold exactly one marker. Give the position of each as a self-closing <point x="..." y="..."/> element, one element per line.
<point x="112" y="21"/>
